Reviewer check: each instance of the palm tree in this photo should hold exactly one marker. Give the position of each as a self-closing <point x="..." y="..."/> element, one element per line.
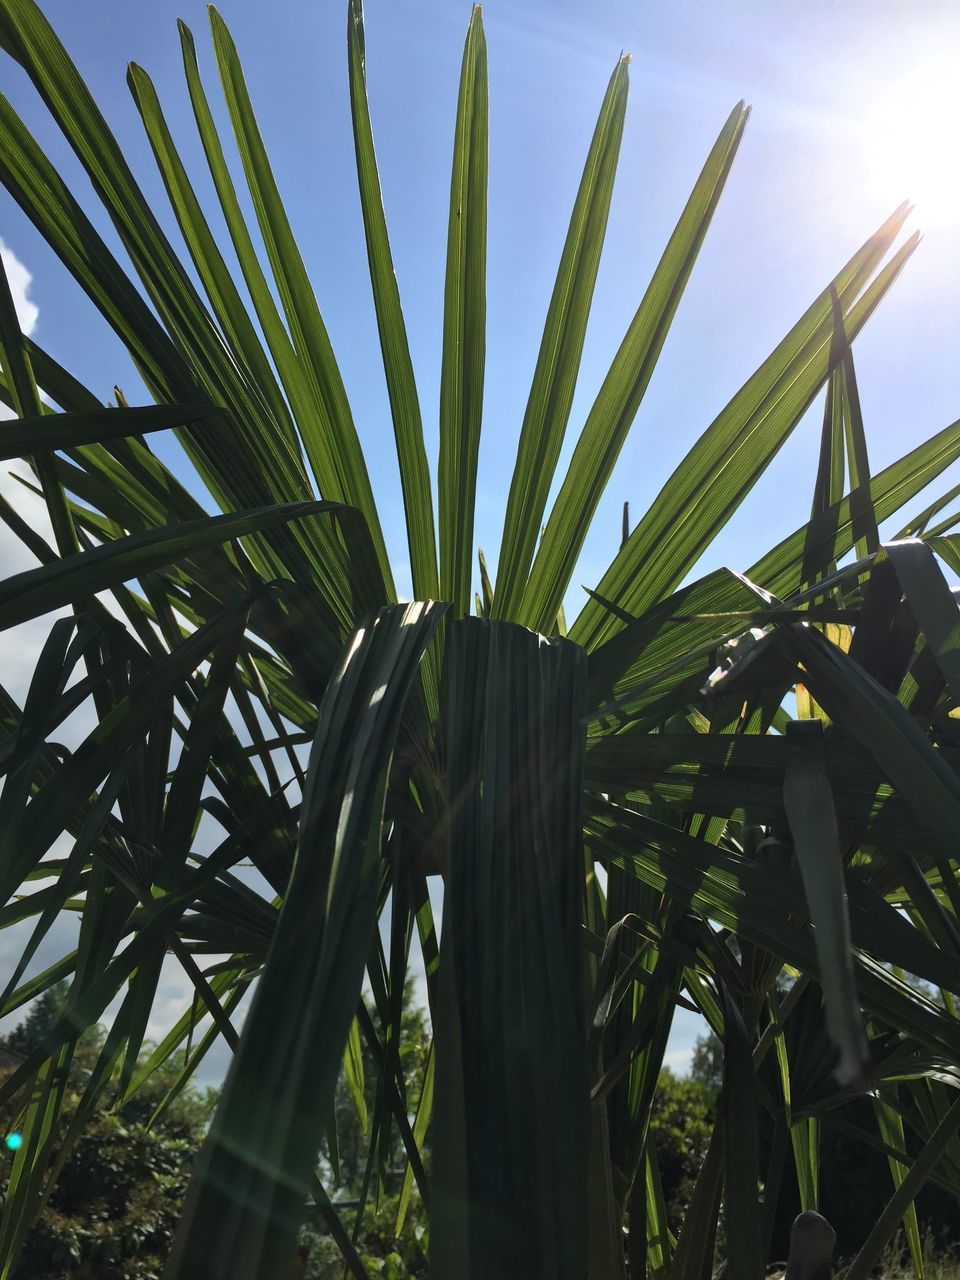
<point x="623" y="816"/>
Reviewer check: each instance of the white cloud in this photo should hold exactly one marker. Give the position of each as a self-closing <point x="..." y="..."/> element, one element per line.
<point x="679" y="1060"/>
<point x="20" y="280"/>
<point x="20" y="645"/>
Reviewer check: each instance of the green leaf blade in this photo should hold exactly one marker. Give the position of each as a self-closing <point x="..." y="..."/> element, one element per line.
<point x="464" y="326"/>
<point x="561" y="347"/>
<point x="397" y="365"/>
<point x="619" y="398"/>
<point x="724" y="464"/>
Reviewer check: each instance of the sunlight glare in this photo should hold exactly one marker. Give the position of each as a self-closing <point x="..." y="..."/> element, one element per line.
<point x="913" y="142"/>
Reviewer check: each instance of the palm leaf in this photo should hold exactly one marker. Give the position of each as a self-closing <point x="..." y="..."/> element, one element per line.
<point x="398" y="368"/>
<point x="464" y="326"/>
<point x="724" y="464"/>
<point x="256" y="1167"/>
<point x="561" y="347"/>
<point x="511" y="1186"/>
<point x="617" y="402"/>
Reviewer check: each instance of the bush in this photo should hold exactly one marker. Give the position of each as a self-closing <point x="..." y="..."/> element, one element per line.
<point x="681" y="1121"/>
<point x="113" y="1210"/>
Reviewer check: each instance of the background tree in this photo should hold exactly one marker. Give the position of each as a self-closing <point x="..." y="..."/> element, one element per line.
<point x="681" y="1123"/>
<point x="113" y="1209"/>
<point x="706" y="1065"/>
<point x="41" y="1016"/>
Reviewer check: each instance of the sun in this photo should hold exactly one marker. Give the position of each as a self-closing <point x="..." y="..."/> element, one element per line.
<point x="912" y="141"/>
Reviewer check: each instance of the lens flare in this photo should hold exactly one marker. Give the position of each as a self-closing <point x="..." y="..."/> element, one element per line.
<point x="13" y="1141"/>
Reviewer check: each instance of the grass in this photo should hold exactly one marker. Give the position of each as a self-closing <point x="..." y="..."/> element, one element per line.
<point x="941" y="1260"/>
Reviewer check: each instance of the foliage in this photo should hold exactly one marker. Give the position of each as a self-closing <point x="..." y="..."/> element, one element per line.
<point x="854" y="1176"/>
<point x="623" y="814"/>
<point x="31" y="1032"/>
<point x="706" y="1066"/>
<point x="681" y="1122"/>
<point x="115" y="1205"/>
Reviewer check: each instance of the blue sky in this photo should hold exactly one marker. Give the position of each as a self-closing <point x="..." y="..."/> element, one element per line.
<point x="851" y="105"/>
